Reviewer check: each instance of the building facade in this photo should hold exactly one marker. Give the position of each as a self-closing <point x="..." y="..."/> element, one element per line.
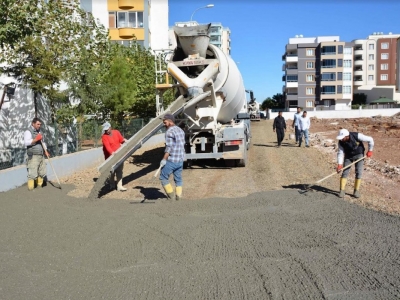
<point x="376" y="66"/>
<point x="318" y="73"/>
<point x="143" y="21"/>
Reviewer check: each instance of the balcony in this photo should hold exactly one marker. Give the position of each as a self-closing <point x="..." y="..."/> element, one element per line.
<point x="291" y="67"/>
<point x="358" y="51"/>
<point x="291" y="97"/>
<point x="358" y="72"/>
<point x="358" y="81"/>
<point x="284" y="67"/>
<point x="328" y="53"/>
<point x="292" y="84"/>
<point x="126" y="4"/>
<point x="358" y="62"/>
<point x="126" y="32"/>
<point x="292" y="58"/>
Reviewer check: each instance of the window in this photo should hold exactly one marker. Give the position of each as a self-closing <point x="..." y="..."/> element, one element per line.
<point x="328" y="50"/>
<point x="347" y="89"/>
<point x="310" y="52"/>
<point x="370" y="77"/>
<point x="328" y="89"/>
<point x="371" y="46"/>
<point x="385" y="46"/>
<point x="384" y="77"/>
<point x="291" y="78"/>
<point x="384" y="66"/>
<point x="339" y="76"/>
<point x="340" y="62"/>
<point x="329" y="63"/>
<point x="371" y="67"/>
<point x="371" y="57"/>
<point x="309" y="103"/>
<point x="328" y="76"/>
<point x="309" y="91"/>
<point x="347" y="76"/>
<point x="310" y="65"/>
<point x="125" y="19"/>
<point x="340" y="49"/>
<point x="112" y="21"/>
<point x="348" y="50"/>
<point x="310" y="78"/>
<point x="327" y="103"/>
<point x="339" y="89"/>
<point x="347" y="63"/>
<point x="385" y="56"/>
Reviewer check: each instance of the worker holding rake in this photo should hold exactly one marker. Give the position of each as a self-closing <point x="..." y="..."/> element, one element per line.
<point x="351" y="149"/>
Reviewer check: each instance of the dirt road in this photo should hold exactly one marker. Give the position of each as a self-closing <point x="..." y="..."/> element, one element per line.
<point x="237" y="244"/>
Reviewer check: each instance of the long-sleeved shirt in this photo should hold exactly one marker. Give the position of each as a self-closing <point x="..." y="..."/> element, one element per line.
<point x="111" y="142"/>
<point x="361" y="138"/>
<point x="28" y="138"/>
<point x="296" y="118"/>
<point x="304" y="123"/>
<point x="175" y="144"/>
<point x="279" y="122"/>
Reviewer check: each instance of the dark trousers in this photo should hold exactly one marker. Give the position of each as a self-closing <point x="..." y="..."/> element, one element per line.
<point x="280" y="134"/>
<point x="297" y="132"/>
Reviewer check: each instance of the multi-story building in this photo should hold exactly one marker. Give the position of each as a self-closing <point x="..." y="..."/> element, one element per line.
<point x="219" y="36"/>
<point x="318" y="73"/>
<point x="144" y="21"/>
<point x="376" y="71"/>
<point x="398" y="68"/>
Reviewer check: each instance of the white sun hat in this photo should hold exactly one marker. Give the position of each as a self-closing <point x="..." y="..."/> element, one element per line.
<point x="342" y="134"/>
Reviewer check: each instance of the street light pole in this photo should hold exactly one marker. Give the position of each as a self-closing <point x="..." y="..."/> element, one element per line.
<point x="207" y="6"/>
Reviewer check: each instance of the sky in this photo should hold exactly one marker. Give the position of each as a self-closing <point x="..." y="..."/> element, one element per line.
<point x="260" y="29"/>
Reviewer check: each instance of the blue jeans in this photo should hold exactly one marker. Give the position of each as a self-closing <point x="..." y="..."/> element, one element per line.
<point x="305" y="133"/>
<point x="172" y="168"/>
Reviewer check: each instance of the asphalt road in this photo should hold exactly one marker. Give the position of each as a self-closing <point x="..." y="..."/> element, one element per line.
<point x="268" y="245"/>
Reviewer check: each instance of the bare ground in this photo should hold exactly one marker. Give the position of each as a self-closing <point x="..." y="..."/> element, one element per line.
<point x="269" y="168"/>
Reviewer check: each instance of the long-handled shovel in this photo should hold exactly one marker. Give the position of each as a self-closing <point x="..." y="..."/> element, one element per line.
<point x="308" y="186"/>
<point x="48" y="158"/>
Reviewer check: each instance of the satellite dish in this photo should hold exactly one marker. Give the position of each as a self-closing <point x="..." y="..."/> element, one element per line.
<point x="296" y="36"/>
<point x="390" y="32"/>
<point x="381" y="32"/>
<point x="374" y="33"/>
<point x="301" y="35"/>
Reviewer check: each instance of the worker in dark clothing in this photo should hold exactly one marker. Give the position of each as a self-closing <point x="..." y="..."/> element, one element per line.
<point x="280" y="128"/>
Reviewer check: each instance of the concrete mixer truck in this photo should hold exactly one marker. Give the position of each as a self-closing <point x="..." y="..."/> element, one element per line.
<point x="216" y="114"/>
<point x="254" y="107"/>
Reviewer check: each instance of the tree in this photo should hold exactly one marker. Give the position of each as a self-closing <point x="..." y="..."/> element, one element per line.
<point x="279" y="99"/>
<point x="359" y="98"/>
<point x="268" y="104"/>
<point x="42" y="56"/>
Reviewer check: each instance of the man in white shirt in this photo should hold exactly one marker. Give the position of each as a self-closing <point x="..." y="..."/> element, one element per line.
<point x="351" y="149"/>
<point x="304" y="127"/>
<point x="295" y="124"/>
<point x="35" y="151"/>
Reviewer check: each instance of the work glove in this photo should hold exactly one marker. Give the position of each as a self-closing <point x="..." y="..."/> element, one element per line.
<point x="38" y="137"/>
<point x="163" y="163"/>
<point x="369" y="154"/>
<point x="339" y="168"/>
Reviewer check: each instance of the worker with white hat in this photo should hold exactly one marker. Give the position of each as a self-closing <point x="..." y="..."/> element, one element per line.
<point x="351" y="148"/>
<point x="112" y="140"/>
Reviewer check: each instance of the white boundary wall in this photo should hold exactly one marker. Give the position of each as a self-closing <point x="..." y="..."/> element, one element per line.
<point x="65" y="165"/>
<point x="341" y="114"/>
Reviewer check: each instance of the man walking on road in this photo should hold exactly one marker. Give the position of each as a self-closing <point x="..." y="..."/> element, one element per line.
<point x="304" y="127"/>
<point x="112" y="141"/>
<point x="279" y="126"/>
<point x="295" y="124"/>
<point x="174" y="155"/>
<point x="351" y="148"/>
<point x="35" y="150"/>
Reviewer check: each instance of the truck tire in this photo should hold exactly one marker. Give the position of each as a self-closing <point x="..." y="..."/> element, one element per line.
<point x="242" y="162"/>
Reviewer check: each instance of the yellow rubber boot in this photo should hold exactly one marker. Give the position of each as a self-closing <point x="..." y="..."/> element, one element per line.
<point x="343" y="182"/>
<point x="40" y="181"/>
<point x="31" y="184"/>
<point x="178" y="193"/>
<point x="169" y="191"/>
<point x="357" y="185"/>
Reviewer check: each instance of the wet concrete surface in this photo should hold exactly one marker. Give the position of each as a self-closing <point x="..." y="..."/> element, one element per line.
<point x="268" y="245"/>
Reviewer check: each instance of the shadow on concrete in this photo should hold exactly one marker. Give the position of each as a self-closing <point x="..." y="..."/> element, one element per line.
<point x="303" y="188"/>
<point x="275" y="146"/>
<point x="150" y="193"/>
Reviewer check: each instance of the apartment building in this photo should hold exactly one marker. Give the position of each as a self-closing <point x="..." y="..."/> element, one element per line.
<point x="318" y="73"/>
<point x="219" y="36"/>
<point x="376" y="73"/>
<point x="145" y="21"/>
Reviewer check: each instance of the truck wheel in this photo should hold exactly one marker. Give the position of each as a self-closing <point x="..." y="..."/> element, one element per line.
<point x="187" y="164"/>
<point x="242" y="162"/>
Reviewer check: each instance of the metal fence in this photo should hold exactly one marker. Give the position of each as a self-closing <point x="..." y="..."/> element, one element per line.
<point x="61" y="139"/>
